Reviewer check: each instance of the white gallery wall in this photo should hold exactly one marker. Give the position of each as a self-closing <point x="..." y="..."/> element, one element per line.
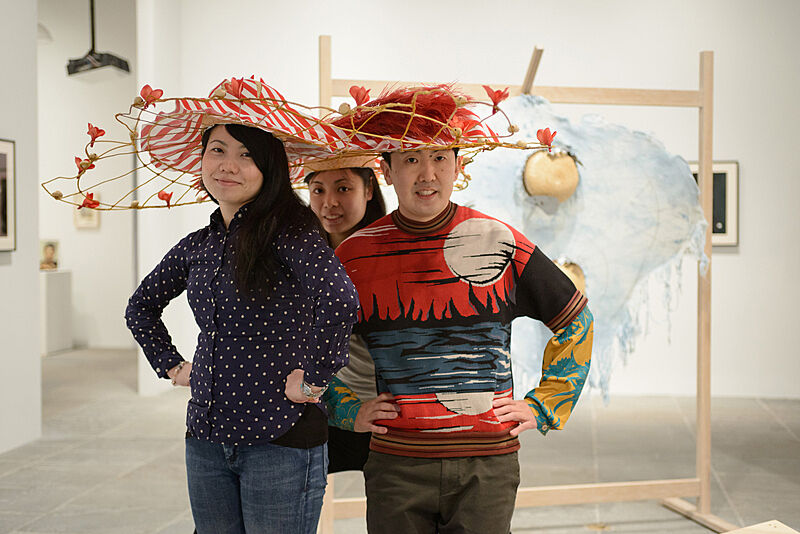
<point x="187" y="47"/>
<point x="159" y="30"/>
<point x="101" y="259"/>
<point x="20" y="369"/>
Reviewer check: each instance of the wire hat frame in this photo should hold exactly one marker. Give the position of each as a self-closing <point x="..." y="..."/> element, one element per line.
<point x="167" y="149"/>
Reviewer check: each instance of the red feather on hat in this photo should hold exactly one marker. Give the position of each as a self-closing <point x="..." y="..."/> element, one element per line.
<point x="426" y="114"/>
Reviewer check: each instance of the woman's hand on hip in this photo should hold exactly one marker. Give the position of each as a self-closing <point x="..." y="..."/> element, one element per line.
<point x="180" y="374"/>
<point x="294" y="388"/>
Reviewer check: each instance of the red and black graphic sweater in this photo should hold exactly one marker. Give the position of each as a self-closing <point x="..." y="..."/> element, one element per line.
<point x="437" y="303"/>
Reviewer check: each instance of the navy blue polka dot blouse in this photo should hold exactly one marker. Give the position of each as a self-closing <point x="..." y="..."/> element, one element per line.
<point x="247" y="344"/>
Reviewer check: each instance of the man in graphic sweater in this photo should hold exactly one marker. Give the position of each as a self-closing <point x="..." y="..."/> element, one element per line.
<point x="439" y="285"/>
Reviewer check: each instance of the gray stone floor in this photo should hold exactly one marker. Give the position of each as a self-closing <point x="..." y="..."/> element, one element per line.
<point x="111" y="462"/>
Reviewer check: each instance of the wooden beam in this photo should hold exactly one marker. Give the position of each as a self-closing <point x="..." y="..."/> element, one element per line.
<point x="561" y="95"/>
<point x="568" y="494"/>
<point x="326" y="516"/>
<point x="618" y="97"/>
<point x="325" y="86"/>
<point x="690" y="511"/>
<point x="705" y="181"/>
<point x="530" y="74"/>
<point x="607" y="492"/>
<point x="347" y="508"/>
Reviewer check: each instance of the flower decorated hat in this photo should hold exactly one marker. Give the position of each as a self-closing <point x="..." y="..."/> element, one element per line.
<point x="336" y="162"/>
<point x="419" y="118"/>
<point x="167" y="144"/>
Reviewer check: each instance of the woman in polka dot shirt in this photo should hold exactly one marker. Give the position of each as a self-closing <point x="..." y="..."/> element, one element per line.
<point x="275" y="310"/>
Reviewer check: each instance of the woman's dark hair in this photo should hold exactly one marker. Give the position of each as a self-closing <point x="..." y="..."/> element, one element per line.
<point x="376" y="207"/>
<point x="275" y="207"/>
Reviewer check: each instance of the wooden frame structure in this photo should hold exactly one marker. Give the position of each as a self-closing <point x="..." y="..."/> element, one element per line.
<point x="669" y="491"/>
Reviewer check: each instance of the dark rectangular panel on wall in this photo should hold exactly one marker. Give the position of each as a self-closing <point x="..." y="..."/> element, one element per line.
<point x="725" y="198"/>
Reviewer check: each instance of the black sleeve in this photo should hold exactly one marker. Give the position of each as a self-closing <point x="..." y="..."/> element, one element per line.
<point x="545" y="293"/>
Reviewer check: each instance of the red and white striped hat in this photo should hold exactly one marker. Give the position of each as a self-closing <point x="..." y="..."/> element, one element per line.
<point x="168" y="144"/>
<point x="173" y="139"/>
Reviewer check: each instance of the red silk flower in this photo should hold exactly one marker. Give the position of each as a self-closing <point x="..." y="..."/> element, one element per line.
<point x="89" y="201"/>
<point x="95" y="132"/>
<point x="467" y="126"/>
<point x="150" y="95"/>
<point x="546" y="138"/>
<point x="81" y="168"/>
<point x="235" y="87"/>
<point x="359" y="94"/>
<point x="166" y="197"/>
<point x="496" y="96"/>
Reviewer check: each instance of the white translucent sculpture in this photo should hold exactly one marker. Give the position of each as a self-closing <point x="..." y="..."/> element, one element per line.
<point x="635" y="212"/>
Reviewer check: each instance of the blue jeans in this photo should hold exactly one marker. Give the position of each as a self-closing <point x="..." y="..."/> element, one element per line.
<point x="256" y="489"/>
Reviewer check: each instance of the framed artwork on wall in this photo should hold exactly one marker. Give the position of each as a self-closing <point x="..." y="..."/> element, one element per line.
<point x="725" y="205"/>
<point x="8" y="228"/>
<point x="86" y="218"/>
<point x="48" y="254"/>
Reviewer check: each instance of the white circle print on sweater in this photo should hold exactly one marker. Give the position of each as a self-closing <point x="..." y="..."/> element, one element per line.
<point x="479" y="251"/>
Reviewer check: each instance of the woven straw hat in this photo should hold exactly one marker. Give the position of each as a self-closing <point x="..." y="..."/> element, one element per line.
<point x="426" y="117"/>
<point x="168" y="144"/>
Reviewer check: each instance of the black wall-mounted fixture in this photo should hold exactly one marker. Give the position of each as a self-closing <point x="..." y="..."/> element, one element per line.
<point x="95" y="60"/>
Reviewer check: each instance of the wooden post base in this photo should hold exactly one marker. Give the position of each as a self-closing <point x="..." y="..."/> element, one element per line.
<point x="689" y="510"/>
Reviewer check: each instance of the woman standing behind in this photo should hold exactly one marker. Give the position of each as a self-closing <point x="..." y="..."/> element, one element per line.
<point x="275" y="310"/>
<point x="345" y="196"/>
<point x="344" y="199"/>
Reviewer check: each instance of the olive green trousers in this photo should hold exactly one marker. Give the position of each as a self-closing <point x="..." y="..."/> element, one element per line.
<point x="472" y="495"/>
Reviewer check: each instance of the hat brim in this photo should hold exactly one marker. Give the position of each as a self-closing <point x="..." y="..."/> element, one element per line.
<point x="173" y="139"/>
<point x="339" y="162"/>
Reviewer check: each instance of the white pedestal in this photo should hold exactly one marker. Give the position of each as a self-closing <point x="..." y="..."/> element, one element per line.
<point x="55" y="303"/>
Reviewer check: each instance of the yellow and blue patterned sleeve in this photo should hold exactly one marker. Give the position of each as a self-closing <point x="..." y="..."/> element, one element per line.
<point x="342" y="404"/>
<point x="567" y="357"/>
